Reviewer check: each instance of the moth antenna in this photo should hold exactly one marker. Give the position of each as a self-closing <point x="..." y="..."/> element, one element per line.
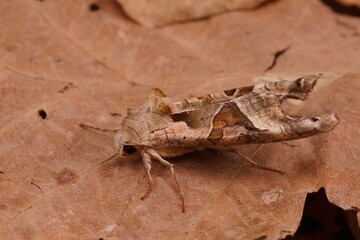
<point x="103" y="161"/>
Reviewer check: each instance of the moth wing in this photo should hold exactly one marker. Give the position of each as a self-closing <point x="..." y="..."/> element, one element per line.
<point x="243" y="115"/>
<point x="160" y="103"/>
<point x="296" y="89"/>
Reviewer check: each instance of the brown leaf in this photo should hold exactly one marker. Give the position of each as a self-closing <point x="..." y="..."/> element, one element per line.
<point x="160" y="12"/>
<point x="350" y="2"/>
<point x="79" y="66"/>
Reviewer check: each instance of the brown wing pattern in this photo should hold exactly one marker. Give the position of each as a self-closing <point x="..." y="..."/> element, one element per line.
<point x="244" y="115"/>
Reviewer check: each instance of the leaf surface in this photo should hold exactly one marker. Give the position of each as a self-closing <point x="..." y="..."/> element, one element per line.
<point x="81" y="65"/>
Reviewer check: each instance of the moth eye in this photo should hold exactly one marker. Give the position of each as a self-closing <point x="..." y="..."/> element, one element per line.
<point x="128" y="149"/>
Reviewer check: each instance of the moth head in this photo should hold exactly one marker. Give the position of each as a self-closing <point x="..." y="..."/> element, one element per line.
<point x="124" y="148"/>
<point x="122" y="145"/>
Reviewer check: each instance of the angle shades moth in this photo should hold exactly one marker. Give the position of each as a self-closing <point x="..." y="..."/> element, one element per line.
<point x="162" y="128"/>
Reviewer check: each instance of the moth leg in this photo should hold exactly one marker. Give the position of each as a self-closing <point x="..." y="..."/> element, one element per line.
<point x="258" y="165"/>
<point x="85" y="126"/>
<point x="171" y="166"/>
<point x="147" y="163"/>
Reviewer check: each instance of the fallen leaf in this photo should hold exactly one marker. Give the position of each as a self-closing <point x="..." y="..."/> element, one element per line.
<point x="160" y="12"/>
<point x="80" y="63"/>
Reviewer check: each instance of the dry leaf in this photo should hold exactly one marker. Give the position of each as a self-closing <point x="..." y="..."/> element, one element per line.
<point x="161" y="12"/>
<point x="81" y="61"/>
<point x="350" y="2"/>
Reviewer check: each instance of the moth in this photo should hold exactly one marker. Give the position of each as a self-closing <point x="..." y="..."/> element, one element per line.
<point x="161" y="128"/>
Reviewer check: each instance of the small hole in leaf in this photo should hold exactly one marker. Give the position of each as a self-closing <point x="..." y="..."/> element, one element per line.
<point x="323" y="220"/>
<point x="42" y="113"/>
<point x="94" y="7"/>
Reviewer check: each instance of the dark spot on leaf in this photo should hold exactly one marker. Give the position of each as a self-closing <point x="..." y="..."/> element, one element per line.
<point x="42" y="113"/>
<point x="56" y="60"/>
<point x="33" y="61"/>
<point x="65" y="176"/>
<point x="66" y="87"/>
<point x="94" y="7"/>
<point x="134" y="83"/>
<point x="276" y="56"/>
<point x="3" y="207"/>
<point x="114" y="114"/>
<point x="34" y="184"/>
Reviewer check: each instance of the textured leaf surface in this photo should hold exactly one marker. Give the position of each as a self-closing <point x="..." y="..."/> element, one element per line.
<point x="160" y="12"/>
<point x="80" y="64"/>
